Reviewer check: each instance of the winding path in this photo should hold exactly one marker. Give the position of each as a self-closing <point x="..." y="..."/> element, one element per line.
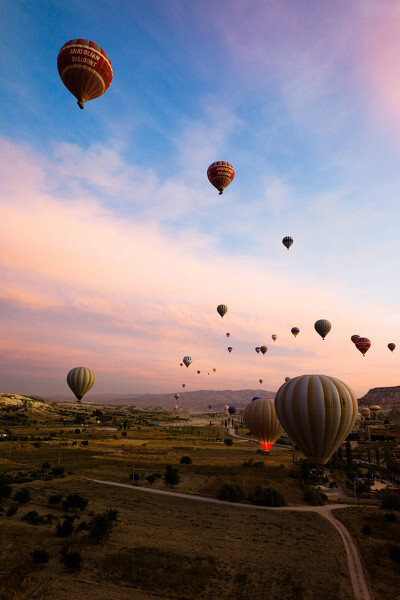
<point x="358" y="579"/>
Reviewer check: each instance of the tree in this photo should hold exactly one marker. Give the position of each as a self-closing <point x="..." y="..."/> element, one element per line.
<point x="313" y="495"/>
<point x="23" y="496"/>
<point x="124" y="434"/>
<point x="71" y="560"/>
<point x="186" y="460"/>
<point x="101" y="526"/>
<point x="40" y="556"/>
<point x="64" y="529"/>
<point x="75" y="501"/>
<point x="232" y="492"/>
<point x="228" y="441"/>
<point x="5" y="488"/>
<point x="267" y="497"/>
<point x="55" y="499"/>
<point x="171" y="476"/>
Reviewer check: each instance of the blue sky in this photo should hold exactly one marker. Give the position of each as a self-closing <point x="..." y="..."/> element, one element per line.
<point x="115" y="250"/>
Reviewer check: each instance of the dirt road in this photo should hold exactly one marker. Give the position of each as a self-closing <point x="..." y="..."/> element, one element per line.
<point x="358" y="579"/>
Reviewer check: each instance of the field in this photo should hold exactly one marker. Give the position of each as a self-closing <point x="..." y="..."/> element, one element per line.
<point x="160" y="546"/>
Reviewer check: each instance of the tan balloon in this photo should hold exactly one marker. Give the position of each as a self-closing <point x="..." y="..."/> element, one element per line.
<point x="318" y="412"/>
<point x="260" y="417"/>
<point x="80" y="380"/>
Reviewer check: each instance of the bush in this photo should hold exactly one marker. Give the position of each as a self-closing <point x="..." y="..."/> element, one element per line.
<point x="46" y="465"/>
<point x="313" y="495"/>
<point x="55" y="499"/>
<point x="40" y="556"/>
<point x="390" y="500"/>
<point x="5" y="488"/>
<point x="23" y="496"/>
<point x="58" y="471"/>
<point x="83" y="526"/>
<point x="151" y="478"/>
<point x="228" y="441"/>
<point x="112" y="514"/>
<point x="186" y="460"/>
<point x="71" y="560"/>
<point x="84" y="442"/>
<point x="12" y="510"/>
<point x="36" y="444"/>
<point x="390" y="517"/>
<point x="32" y="517"/>
<point x="267" y="497"/>
<point x="366" y="530"/>
<point x="232" y="492"/>
<point x="75" y="501"/>
<point x="100" y="527"/>
<point x="171" y="476"/>
<point x="394" y="553"/>
<point x="124" y="434"/>
<point x="64" y="529"/>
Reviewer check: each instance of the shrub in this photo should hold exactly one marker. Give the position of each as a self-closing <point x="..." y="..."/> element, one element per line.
<point x="58" y="471"/>
<point x="228" y="441"/>
<point x="36" y="444"/>
<point x="267" y="497"/>
<point x="124" y="434"/>
<point x="83" y="526"/>
<point x="40" y="556"/>
<point x="46" y="465"/>
<point x="84" y="442"/>
<point x="5" y="488"/>
<point x="75" y="501"/>
<point x="366" y="530"/>
<point x="112" y="514"/>
<point x="12" y="510"/>
<point x="186" y="460"/>
<point x="151" y="478"/>
<point x="64" y="529"/>
<point x="23" y="496"/>
<point x="100" y="527"/>
<point x="390" y="517"/>
<point x="232" y="492"/>
<point x="394" y="553"/>
<point x="313" y="495"/>
<point x="390" y="500"/>
<point x="55" y="499"/>
<point x="71" y="560"/>
<point x="171" y="476"/>
<point x="32" y="517"/>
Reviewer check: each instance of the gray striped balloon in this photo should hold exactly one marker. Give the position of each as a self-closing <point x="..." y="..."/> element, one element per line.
<point x="260" y="417"/>
<point x="80" y="380"/>
<point x="318" y="412"/>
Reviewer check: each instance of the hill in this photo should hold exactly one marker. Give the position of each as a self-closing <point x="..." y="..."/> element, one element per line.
<point x="196" y="400"/>
<point x="385" y="397"/>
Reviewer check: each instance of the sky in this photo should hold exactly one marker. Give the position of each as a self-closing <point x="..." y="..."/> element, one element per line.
<point x="115" y="250"/>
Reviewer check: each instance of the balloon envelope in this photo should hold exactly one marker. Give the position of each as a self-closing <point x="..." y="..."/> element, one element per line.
<point x="228" y="335"/>
<point x="323" y="327"/>
<point x="220" y="174"/>
<point x="263" y="349"/>
<point x="230" y="349"/>
<point x="391" y="346"/>
<point x="295" y="331"/>
<point x="214" y="369"/>
<point x="260" y="417"/>
<point x="318" y="412"/>
<point x="85" y="69"/>
<point x="232" y="410"/>
<point x="261" y="380"/>
<point x="363" y="345"/>
<point x="80" y="380"/>
<point x="287" y="241"/>
<point x="222" y="309"/>
<point x="257" y="349"/>
<point x="274" y="336"/>
<point x="354" y="338"/>
<point x="187" y="360"/>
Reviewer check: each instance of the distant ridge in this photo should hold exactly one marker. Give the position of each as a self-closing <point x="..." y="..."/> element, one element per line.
<point x="385" y="397"/>
<point x="196" y="400"/>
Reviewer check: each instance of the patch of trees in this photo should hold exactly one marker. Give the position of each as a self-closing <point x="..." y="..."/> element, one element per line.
<point x="266" y="496"/>
<point x="232" y="492"/>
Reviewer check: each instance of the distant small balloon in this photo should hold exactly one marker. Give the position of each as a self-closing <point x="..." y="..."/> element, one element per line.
<point x="391" y="346"/>
<point x="287" y="241"/>
<point x="261" y="380"/>
<point x="230" y="349"/>
<point x="222" y="309"/>
<point x="198" y="372"/>
<point x="181" y="364"/>
<point x="177" y="396"/>
<point x="263" y="349"/>
<point x="287" y="378"/>
<point x="183" y="385"/>
<point x="295" y="331"/>
<point x="228" y="335"/>
<point x="232" y="410"/>
<point x="258" y="349"/>
<point x="214" y="369"/>
<point x="274" y="336"/>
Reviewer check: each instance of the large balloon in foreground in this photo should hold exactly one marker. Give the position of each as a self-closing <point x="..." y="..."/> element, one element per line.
<point x="260" y="417"/>
<point x="85" y="69"/>
<point x="80" y="380"/>
<point x="295" y="331"/>
<point x="354" y="338"/>
<point x="187" y="361"/>
<point x="220" y="174"/>
<point x="274" y="336"/>
<point x="363" y="345"/>
<point x="222" y="309"/>
<point x="318" y="412"/>
<point x="391" y="346"/>
<point x="287" y="241"/>
<point x="323" y="327"/>
<point x="263" y="349"/>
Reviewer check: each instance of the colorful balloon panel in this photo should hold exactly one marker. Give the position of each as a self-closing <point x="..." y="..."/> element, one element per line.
<point x="318" y="412"/>
<point x="85" y="69"/>
<point x="220" y="174"/>
<point x="80" y="380"/>
<point x="260" y="417"/>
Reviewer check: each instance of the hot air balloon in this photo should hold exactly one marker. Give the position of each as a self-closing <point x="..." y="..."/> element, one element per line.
<point x="391" y="346"/>
<point x="222" y="309"/>
<point x="181" y="364"/>
<point x="187" y="361"/>
<point x="260" y="417"/>
<point x="214" y="369"/>
<point x="287" y="378"/>
<point x="261" y="380"/>
<point x="295" y="331"/>
<point x="226" y="408"/>
<point x="220" y="174"/>
<point x="257" y="349"/>
<point x="318" y="412"/>
<point x="210" y="406"/>
<point x="228" y="335"/>
<point x="183" y="385"/>
<point x="365" y="412"/>
<point x="255" y="398"/>
<point x="80" y="380"/>
<point x="232" y="410"/>
<point x="354" y="338"/>
<point x="375" y="409"/>
<point x="274" y="336"/>
<point x="230" y="349"/>
<point x="363" y="345"/>
<point x="176" y="407"/>
<point x="287" y="241"/>
<point x="263" y="349"/>
<point x="323" y="327"/>
<point x="85" y="69"/>
<point x="177" y="396"/>
<point x="198" y="372"/>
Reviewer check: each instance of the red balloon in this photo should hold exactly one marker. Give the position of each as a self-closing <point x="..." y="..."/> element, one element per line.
<point x="363" y="345"/>
<point x="220" y="174"/>
<point x="85" y="69"/>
